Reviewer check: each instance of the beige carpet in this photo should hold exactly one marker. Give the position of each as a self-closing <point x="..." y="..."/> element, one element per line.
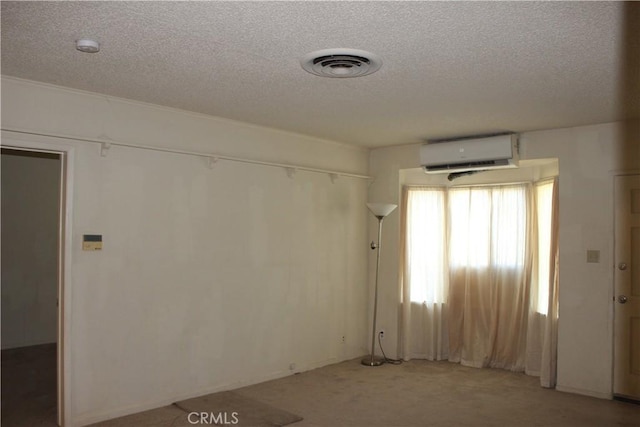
<point x="231" y="408"/>
<point x="421" y="393"/>
<point x="166" y="416"/>
<point x="217" y="409"/>
<point x="417" y="393"/>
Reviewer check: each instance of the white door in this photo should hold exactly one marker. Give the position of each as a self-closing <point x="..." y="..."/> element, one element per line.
<point x="626" y="381"/>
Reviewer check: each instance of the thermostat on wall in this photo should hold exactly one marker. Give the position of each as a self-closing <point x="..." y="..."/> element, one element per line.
<point x="92" y="242"/>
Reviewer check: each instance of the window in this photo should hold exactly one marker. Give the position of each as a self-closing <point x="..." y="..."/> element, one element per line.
<point x="480" y="276"/>
<point x="488" y="226"/>
<point x="544" y="199"/>
<point x="475" y="228"/>
<point x="426" y="230"/>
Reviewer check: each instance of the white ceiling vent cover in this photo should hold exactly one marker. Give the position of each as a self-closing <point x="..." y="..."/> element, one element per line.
<point x="341" y="63"/>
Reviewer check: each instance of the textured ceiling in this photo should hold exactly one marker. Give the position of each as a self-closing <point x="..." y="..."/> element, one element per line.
<point x="449" y="68"/>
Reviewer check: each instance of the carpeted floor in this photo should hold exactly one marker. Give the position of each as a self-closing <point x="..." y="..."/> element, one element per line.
<point x="223" y="408"/>
<point x="420" y="393"/>
<point x="29" y="386"/>
<point x="417" y="393"/>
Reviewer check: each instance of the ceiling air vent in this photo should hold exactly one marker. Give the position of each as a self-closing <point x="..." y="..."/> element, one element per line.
<point x="341" y="63"/>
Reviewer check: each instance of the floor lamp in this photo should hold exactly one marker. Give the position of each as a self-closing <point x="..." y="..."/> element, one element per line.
<point x="379" y="210"/>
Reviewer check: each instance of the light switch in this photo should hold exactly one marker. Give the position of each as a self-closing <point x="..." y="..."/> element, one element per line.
<point x="92" y="242"/>
<point x="593" y="256"/>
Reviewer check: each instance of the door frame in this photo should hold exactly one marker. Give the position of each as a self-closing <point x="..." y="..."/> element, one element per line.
<point x="67" y="155"/>
<point x="615" y="175"/>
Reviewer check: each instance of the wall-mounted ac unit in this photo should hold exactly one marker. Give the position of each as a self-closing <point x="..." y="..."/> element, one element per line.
<point x="470" y="154"/>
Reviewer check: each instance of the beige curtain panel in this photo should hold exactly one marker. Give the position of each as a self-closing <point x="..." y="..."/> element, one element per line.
<point x="479" y="276"/>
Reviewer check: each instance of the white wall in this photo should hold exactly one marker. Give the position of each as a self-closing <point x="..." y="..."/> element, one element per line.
<point x="209" y="278"/>
<point x="588" y="158"/>
<point x="41" y="107"/>
<point x="30" y="206"/>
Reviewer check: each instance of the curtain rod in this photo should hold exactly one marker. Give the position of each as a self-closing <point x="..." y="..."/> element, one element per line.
<point x="107" y="143"/>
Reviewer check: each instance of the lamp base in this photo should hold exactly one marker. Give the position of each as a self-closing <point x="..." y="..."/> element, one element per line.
<point x="372" y="361"/>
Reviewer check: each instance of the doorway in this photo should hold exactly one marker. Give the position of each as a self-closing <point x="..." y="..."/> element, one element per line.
<point x="626" y="378"/>
<point x="31" y="242"/>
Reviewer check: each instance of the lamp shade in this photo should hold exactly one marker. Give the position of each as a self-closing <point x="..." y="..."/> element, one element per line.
<point x="381" y="209"/>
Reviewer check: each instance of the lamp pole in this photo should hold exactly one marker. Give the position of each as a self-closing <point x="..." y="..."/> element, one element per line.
<point x="379" y="210"/>
<point x="373" y="360"/>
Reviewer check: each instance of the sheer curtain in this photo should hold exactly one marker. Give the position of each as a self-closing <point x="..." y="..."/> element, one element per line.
<point x="424" y="316"/>
<point x="542" y="325"/>
<point x="489" y="275"/>
<point x="472" y="283"/>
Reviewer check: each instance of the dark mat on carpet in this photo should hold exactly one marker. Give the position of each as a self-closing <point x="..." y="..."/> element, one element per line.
<point x="227" y="407"/>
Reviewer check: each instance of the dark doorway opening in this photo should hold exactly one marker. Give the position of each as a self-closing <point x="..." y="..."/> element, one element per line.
<point x="31" y="194"/>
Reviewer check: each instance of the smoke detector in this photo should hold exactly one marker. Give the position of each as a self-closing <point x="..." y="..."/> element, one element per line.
<point x="341" y="63"/>
<point x="87" y="46"/>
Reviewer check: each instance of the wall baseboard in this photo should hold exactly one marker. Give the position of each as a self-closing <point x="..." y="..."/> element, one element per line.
<point x="584" y="392"/>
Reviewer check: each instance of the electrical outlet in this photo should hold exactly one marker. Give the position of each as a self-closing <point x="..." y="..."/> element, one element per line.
<point x="381" y="334"/>
<point x="343" y="340"/>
